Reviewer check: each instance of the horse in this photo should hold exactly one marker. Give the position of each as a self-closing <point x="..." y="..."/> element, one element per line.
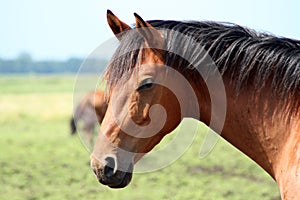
<point x="90" y="111"/>
<point x="261" y="78"/>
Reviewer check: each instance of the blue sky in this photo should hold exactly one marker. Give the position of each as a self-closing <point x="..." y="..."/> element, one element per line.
<point x="59" y="29"/>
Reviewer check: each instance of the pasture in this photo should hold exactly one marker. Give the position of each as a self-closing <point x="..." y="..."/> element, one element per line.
<point x="40" y="160"/>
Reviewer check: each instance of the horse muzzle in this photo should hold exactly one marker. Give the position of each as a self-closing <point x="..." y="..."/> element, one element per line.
<point x="110" y="173"/>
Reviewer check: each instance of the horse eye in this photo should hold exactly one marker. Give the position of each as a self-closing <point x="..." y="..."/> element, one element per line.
<point x="145" y="84"/>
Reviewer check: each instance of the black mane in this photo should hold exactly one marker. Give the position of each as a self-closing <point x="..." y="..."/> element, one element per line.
<point x="246" y="55"/>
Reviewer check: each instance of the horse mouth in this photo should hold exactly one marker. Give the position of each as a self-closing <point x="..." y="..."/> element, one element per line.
<point x="123" y="182"/>
<point x="119" y="180"/>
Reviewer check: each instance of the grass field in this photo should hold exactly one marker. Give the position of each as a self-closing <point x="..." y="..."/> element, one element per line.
<point x="40" y="160"/>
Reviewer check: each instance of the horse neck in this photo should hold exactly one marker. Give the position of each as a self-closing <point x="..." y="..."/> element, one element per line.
<point x="261" y="127"/>
<point x="255" y="123"/>
<point x="287" y="171"/>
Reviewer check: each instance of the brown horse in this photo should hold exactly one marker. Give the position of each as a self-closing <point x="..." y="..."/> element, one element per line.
<point x="90" y="111"/>
<point x="260" y="74"/>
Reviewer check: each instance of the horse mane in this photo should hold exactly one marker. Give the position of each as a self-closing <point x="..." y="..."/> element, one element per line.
<point x="247" y="56"/>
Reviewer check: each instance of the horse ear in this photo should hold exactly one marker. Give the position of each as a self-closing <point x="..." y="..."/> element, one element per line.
<point x="116" y="25"/>
<point x="154" y="38"/>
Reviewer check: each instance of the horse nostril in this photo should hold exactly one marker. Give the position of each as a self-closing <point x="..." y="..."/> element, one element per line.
<point x="110" y="166"/>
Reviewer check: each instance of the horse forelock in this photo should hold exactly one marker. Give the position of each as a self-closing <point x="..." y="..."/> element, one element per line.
<point x="124" y="59"/>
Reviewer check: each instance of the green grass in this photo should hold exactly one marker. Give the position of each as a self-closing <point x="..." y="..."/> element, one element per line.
<point x="40" y="160"/>
<point x="36" y="84"/>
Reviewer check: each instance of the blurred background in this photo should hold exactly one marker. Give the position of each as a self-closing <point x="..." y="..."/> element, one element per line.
<point x="43" y="44"/>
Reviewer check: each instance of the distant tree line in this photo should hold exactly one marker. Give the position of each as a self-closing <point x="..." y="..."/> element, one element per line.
<point x="25" y="64"/>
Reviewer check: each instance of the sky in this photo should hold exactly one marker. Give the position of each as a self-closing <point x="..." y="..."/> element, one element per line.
<point x="60" y="29"/>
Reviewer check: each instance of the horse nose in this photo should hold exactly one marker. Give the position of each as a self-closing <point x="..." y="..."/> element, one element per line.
<point x="106" y="169"/>
<point x="110" y="166"/>
<point x="108" y="173"/>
